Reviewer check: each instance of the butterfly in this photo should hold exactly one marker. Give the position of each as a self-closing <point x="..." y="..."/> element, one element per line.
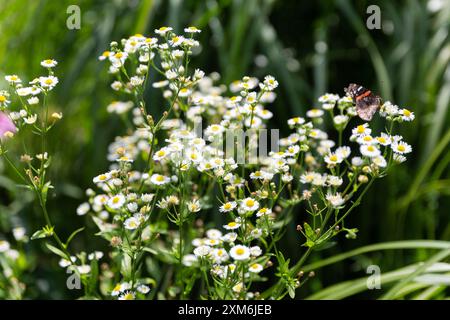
<point x="366" y="102"/>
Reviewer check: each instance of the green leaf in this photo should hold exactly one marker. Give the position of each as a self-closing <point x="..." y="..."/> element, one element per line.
<point x="73" y="235"/>
<point x="56" y="251"/>
<point x="291" y="292"/>
<point x="45" y="232"/>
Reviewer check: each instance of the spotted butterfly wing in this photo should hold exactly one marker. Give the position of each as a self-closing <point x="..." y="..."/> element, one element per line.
<point x="366" y="102"/>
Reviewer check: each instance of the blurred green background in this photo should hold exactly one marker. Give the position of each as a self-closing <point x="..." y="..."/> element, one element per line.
<point x="311" y="47"/>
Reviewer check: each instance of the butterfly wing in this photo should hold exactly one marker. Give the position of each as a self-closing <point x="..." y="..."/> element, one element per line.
<point x="368" y="106"/>
<point x="366" y="102"/>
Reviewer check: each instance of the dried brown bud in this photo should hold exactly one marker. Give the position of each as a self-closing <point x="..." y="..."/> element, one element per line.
<point x="299" y="228"/>
<point x="26" y="158"/>
<point x="311" y="274"/>
<point x="116" y="241"/>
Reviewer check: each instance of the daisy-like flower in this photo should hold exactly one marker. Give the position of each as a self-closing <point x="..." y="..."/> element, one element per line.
<point x="401" y="147"/>
<point x="116" y="202"/>
<point x="33" y="100"/>
<point x="255" y="251"/>
<point x="357" y="161"/>
<point x="177" y="41"/>
<point x="335" y="200"/>
<point x="220" y="255"/>
<point x="343" y="152"/>
<point x="161" y="154"/>
<point x="184" y="92"/>
<point x="127" y="296"/>
<point x="360" y="130"/>
<point x="214" y="234"/>
<point x="132" y="206"/>
<point x="314" y="113"/>
<point x="370" y="151"/>
<point x="48" y="82"/>
<point x="13" y="79"/>
<point x="340" y="120"/>
<point x="388" y="109"/>
<point x="159" y="180"/>
<point x="102" y="178"/>
<point x="4" y="98"/>
<point x="270" y="83"/>
<point x="329" y="98"/>
<point x="214" y="129"/>
<point x="31" y="119"/>
<point x="202" y="251"/>
<point x="147" y="197"/>
<point x="194" y="206"/>
<point x="296" y="121"/>
<point x="398" y="158"/>
<point x="131" y="223"/>
<point x="232" y="225"/>
<point x="406" y="115"/>
<point x="264" y="212"/>
<point x="160" y="84"/>
<point x="118" y="59"/>
<point x="119" y="288"/>
<point x="192" y="30"/>
<point x="163" y="30"/>
<point x="249" y="204"/>
<point x="383" y="139"/>
<point x="142" y="288"/>
<point x="229" y="237"/>
<point x="240" y="252"/>
<point x="23" y="92"/>
<point x="105" y="55"/>
<point x="333" y="159"/>
<point x="379" y="161"/>
<point x="366" y="139"/>
<point x="49" y="63"/>
<point x="228" y="206"/>
<point x="334" y="181"/>
<point x="255" y="268"/>
<point x="189" y="260"/>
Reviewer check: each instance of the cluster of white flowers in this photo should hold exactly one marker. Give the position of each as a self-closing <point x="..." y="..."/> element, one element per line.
<point x="168" y="170"/>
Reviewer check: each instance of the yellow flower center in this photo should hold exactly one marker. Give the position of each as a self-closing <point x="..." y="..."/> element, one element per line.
<point x="360" y="129"/>
<point x="115" y="200"/>
<point x="333" y="158"/>
<point x="160" y="178"/>
<point x="401" y="148"/>
<point x="250" y="203"/>
<point x="370" y="148"/>
<point x="48" y="61"/>
<point x="367" y="138"/>
<point x="232" y="224"/>
<point x="118" y="55"/>
<point x="240" y="251"/>
<point x="102" y="177"/>
<point x="227" y="206"/>
<point x="381" y="139"/>
<point x="106" y="54"/>
<point x="48" y="81"/>
<point x="2" y="98"/>
<point x="406" y="112"/>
